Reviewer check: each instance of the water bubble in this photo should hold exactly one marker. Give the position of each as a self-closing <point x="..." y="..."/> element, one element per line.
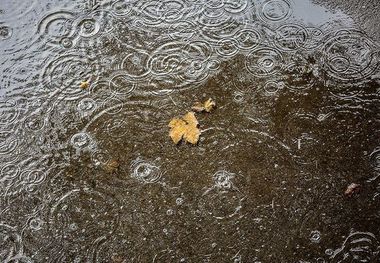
<point x="36" y="224"/>
<point x="238" y="97"/>
<point x="247" y="39"/>
<point x="5" y="32"/>
<point x="227" y="47"/>
<point x="170" y="212"/>
<point x="145" y="172"/>
<point x="86" y="106"/>
<point x="264" y="61"/>
<point x="272" y="87"/>
<point x="89" y="27"/>
<point x="223" y="179"/>
<point x="214" y="64"/>
<point x="121" y="8"/>
<point x="179" y="201"/>
<point x="275" y="10"/>
<point x="73" y="227"/>
<point x="81" y="140"/>
<point x="315" y="236"/>
<point x="67" y="42"/>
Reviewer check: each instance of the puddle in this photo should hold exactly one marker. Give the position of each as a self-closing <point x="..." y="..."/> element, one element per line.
<point x="90" y="175"/>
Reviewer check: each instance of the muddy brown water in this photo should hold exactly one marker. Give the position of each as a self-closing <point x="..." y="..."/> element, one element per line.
<point x="297" y="90"/>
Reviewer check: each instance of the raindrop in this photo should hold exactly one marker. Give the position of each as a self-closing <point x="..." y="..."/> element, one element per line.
<point x="36" y="224"/>
<point x="5" y="32"/>
<point x="80" y="140"/>
<point x="315" y="236"/>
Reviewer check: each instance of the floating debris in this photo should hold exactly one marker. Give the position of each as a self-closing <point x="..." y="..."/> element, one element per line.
<point x="84" y="84"/>
<point x="207" y="106"/>
<point x="185" y="128"/>
<point x="352" y="189"/>
<point x="111" y="166"/>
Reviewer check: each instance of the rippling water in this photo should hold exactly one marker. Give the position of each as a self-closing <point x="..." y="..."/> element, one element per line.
<point x="90" y="175"/>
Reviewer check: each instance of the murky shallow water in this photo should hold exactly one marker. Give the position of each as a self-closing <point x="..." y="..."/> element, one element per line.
<point x="297" y="122"/>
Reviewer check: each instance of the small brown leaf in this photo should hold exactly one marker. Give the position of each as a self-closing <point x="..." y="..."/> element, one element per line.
<point x="352" y="189"/>
<point x="207" y="106"/>
<point x="185" y="128"/>
<point x="111" y="166"/>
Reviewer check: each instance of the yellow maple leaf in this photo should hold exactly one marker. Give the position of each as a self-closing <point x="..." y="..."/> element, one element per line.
<point x="185" y="128"/>
<point x="178" y="129"/>
<point x="207" y="106"/>
<point x="190" y="119"/>
<point x="84" y="84"/>
<point x="192" y="135"/>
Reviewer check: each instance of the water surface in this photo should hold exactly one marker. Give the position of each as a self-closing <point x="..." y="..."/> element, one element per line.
<point x="297" y="122"/>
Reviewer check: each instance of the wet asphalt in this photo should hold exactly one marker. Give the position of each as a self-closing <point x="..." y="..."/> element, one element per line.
<point x="364" y="12"/>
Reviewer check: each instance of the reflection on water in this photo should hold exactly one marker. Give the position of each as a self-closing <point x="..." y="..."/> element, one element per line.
<point x="297" y="122"/>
